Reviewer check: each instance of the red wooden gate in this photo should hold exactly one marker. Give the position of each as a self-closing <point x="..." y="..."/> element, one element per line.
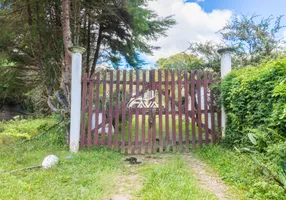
<point x="140" y="112"/>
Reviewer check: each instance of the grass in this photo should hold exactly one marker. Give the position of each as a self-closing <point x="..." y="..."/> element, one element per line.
<point x="15" y="129"/>
<point x="240" y="171"/>
<point x="171" y="180"/>
<point x="87" y="175"/>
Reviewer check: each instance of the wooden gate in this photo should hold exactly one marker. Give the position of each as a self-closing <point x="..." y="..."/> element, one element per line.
<point x="139" y="112"/>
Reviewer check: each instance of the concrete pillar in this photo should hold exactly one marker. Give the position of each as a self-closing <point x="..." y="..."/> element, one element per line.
<point x="75" y="97"/>
<point x="225" y="69"/>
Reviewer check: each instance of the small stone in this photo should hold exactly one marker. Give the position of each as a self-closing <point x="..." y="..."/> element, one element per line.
<point x="50" y="161"/>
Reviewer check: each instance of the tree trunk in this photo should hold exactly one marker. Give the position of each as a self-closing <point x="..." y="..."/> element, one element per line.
<point x="96" y="54"/>
<point x="66" y="70"/>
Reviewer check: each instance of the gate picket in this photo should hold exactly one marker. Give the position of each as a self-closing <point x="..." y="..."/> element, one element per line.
<point x="123" y="123"/>
<point x="117" y="110"/>
<point x="153" y="115"/>
<point x="167" y="109"/>
<point x="199" y="115"/>
<point x="180" y="110"/>
<point x="186" y="88"/>
<point x="97" y="108"/>
<point x="193" y="100"/>
<point x="137" y="113"/>
<point x="83" y="110"/>
<point x="160" y="111"/>
<point x="130" y="114"/>
<point x="174" y="139"/>
<point x="197" y="92"/>
<point x="103" y="111"/>
<point x="143" y="115"/>
<point x="90" y="113"/>
<point x="110" y="108"/>
<point x="206" y="107"/>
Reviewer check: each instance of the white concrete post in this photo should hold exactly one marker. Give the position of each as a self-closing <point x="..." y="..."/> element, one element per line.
<point x="225" y="69"/>
<point x="75" y="97"/>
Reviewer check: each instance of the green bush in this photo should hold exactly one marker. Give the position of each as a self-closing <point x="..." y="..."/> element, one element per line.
<point x="254" y="98"/>
<point x="255" y="103"/>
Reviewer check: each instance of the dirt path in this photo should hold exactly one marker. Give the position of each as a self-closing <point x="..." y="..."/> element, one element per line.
<point x="207" y="180"/>
<point x="131" y="181"/>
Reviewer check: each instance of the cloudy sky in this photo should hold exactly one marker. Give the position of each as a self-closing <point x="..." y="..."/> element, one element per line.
<point x="199" y="20"/>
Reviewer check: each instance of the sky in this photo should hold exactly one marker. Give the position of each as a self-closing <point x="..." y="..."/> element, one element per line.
<point x="199" y="20"/>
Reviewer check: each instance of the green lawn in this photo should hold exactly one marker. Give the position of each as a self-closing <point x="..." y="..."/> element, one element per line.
<point x="171" y="180"/>
<point x="241" y="172"/>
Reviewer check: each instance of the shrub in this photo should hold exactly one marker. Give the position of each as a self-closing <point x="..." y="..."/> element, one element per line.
<point x="253" y="98"/>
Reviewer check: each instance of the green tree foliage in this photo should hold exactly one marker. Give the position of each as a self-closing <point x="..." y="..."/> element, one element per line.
<point x="31" y="36"/>
<point x="180" y="61"/>
<point x="199" y="56"/>
<point x="254" y="38"/>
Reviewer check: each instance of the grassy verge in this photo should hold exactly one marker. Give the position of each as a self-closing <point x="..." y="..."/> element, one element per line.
<point x="241" y="172"/>
<point x="17" y="129"/>
<point x="87" y="175"/>
<point x="171" y="180"/>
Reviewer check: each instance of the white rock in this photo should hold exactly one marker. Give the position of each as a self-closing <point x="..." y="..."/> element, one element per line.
<point x="50" y="161"/>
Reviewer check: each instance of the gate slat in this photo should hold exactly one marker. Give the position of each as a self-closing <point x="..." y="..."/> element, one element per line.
<point x="130" y="113"/>
<point x="206" y="114"/>
<point x="154" y="131"/>
<point x="143" y="116"/>
<point x="160" y="111"/>
<point x="103" y="111"/>
<point x="137" y="113"/>
<point x="123" y="123"/>
<point x="199" y="108"/>
<point x="173" y="113"/>
<point x="193" y="100"/>
<point x="117" y="92"/>
<point x="186" y="87"/>
<point x="83" y="109"/>
<point x="167" y="109"/>
<point x="180" y="110"/>
<point x="110" y="109"/>
<point x="97" y="108"/>
<point x="212" y="109"/>
<point x="149" y="120"/>
<point x="90" y="104"/>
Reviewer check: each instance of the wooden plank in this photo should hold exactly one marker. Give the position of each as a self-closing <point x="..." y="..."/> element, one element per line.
<point x="186" y="109"/>
<point x="90" y="105"/>
<point x="143" y="116"/>
<point x="83" y="109"/>
<point x="206" y="113"/>
<point x="97" y="108"/>
<point x="130" y="114"/>
<point x="199" y="116"/>
<point x="137" y="113"/>
<point x="167" y="110"/>
<point x="160" y="112"/>
<point x="180" y="110"/>
<point x="150" y="119"/>
<point x="123" y="110"/>
<point x="103" y="110"/>
<point x="193" y="99"/>
<point x="174" y="139"/>
<point x="110" y="108"/>
<point x="117" y="92"/>
<point x="154" y="131"/>
<point x="212" y="109"/>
